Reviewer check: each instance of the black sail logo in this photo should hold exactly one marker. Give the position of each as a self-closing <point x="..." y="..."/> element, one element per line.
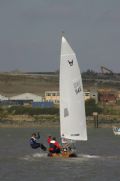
<point x="70" y="62"/>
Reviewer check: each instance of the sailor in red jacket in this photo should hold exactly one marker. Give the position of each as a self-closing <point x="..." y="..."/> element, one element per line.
<point x="54" y="146"/>
<point x="49" y="139"/>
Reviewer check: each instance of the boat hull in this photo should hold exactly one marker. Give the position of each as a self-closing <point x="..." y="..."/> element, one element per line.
<point x="116" y="131"/>
<point x="63" y="155"/>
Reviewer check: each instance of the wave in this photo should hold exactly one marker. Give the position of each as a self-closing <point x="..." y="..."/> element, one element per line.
<point x="33" y="157"/>
<point x="89" y="156"/>
<point x="80" y="157"/>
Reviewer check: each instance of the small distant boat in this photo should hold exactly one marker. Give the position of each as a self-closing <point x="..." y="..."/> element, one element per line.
<point x="116" y="130"/>
<point x="72" y="108"/>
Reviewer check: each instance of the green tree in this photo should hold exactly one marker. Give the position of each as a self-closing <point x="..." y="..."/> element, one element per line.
<point x="91" y="106"/>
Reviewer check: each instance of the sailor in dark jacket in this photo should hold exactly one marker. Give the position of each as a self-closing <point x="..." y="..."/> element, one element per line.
<point x="34" y="144"/>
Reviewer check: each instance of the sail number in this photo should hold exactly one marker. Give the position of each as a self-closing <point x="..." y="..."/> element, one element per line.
<point x="77" y="134"/>
<point x="77" y="87"/>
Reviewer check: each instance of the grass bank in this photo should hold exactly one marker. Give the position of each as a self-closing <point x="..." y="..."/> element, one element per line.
<point x="30" y="121"/>
<point x="104" y="121"/>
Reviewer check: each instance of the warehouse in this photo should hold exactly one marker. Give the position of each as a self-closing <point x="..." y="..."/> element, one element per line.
<point x="27" y="97"/>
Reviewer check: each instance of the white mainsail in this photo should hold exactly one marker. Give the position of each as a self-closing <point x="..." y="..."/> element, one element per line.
<point x="72" y="109"/>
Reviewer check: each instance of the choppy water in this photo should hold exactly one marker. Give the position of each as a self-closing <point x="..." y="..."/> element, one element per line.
<point x="98" y="158"/>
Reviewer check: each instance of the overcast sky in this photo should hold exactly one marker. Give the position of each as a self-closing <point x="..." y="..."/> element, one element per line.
<point x="30" y="33"/>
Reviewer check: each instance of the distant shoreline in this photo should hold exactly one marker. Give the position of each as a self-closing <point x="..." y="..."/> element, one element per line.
<point x="28" y="124"/>
<point x="27" y="121"/>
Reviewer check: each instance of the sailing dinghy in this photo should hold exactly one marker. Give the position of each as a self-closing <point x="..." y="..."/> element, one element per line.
<point x="72" y="108"/>
<point x="116" y="131"/>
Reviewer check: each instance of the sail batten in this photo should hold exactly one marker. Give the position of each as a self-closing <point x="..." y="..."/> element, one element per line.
<point x="72" y="109"/>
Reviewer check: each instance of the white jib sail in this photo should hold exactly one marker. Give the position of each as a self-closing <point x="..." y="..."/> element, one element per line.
<point x="72" y="108"/>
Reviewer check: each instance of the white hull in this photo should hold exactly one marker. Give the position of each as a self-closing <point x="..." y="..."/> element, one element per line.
<point x="116" y="131"/>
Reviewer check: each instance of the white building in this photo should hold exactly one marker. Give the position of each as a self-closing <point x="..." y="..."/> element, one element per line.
<point x="91" y="95"/>
<point x="52" y="96"/>
<point x="27" y="97"/>
<point x="86" y="95"/>
<point x="3" y="98"/>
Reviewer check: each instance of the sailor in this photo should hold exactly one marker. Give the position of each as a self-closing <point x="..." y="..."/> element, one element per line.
<point x="34" y="144"/>
<point x="49" y="139"/>
<point x="54" y="146"/>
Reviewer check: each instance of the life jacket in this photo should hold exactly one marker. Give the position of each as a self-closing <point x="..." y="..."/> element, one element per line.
<point x="49" y="140"/>
<point x="54" y="145"/>
<point x="32" y="141"/>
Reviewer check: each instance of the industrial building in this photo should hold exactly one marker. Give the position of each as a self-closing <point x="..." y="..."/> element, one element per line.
<point x="27" y="97"/>
<point x="22" y="99"/>
<point x="2" y="98"/>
